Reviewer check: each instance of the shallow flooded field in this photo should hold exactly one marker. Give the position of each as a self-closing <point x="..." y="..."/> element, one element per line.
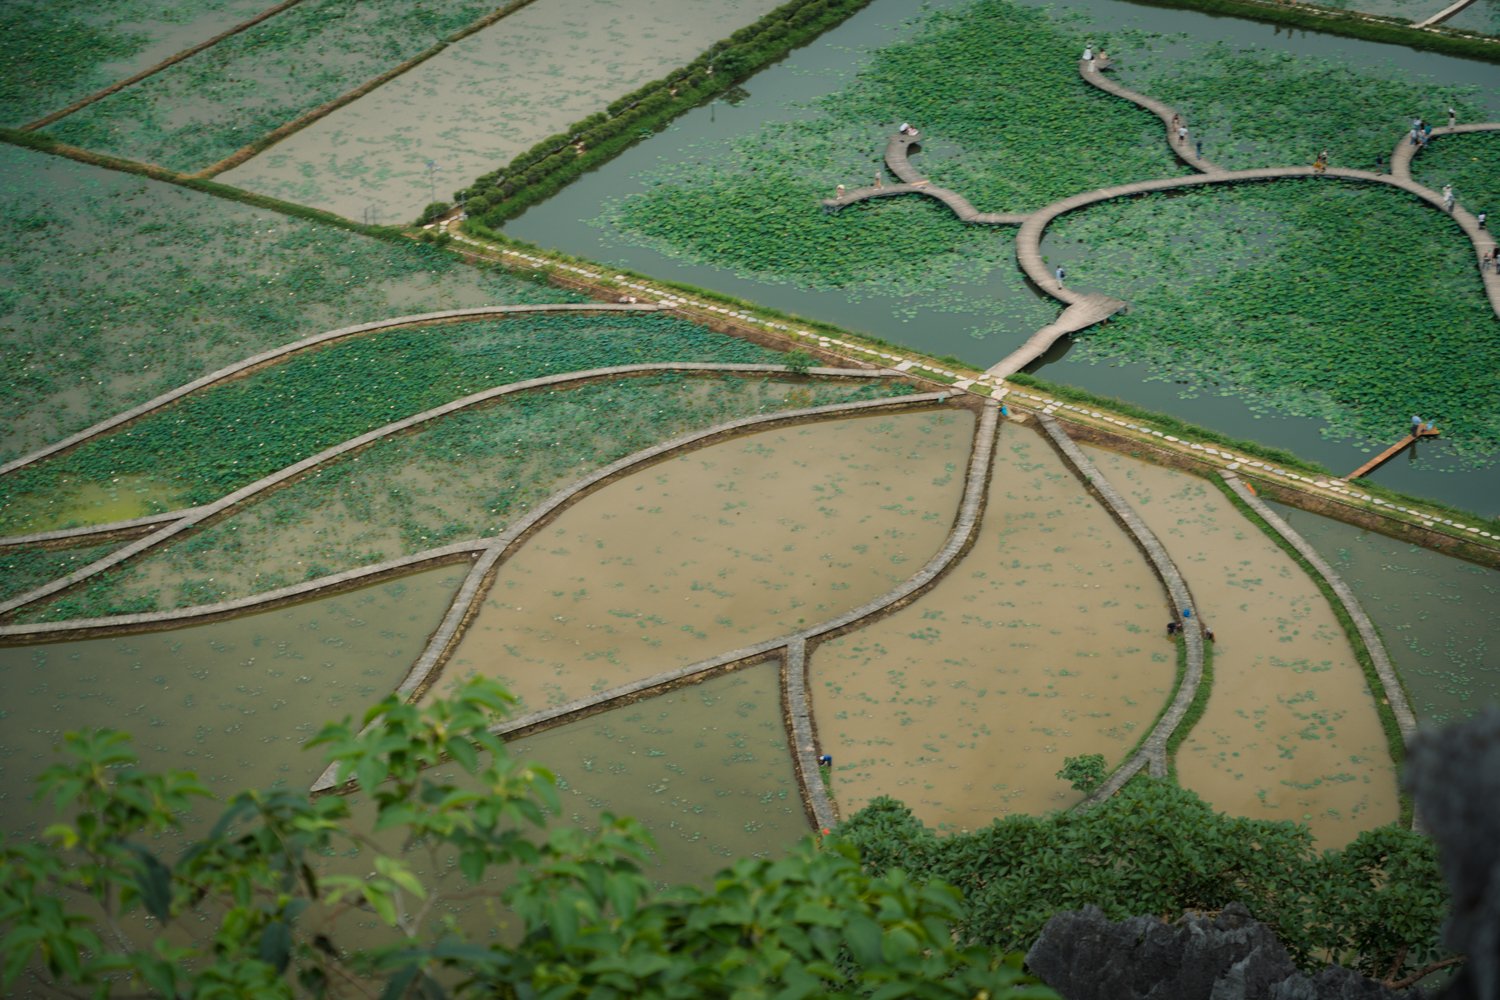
<point x="1042" y="643"/>
<point x="185" y="284"/>
<point x="718" y="549"/>
<point x="467" y="476"/>
<point x="905" y="271"/>
<point x="706" y="768"/>
<point x="233" y="701"/>
<point x="44" y="67"/>
<point x="1291" y="729"/>
<point x="1439" y="616"/>
<point x="484" y="100"/>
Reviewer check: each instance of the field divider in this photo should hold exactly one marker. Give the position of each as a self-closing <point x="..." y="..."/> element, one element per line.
<point x="199" y="515"/>
<point x="256" y="361"/>
<point x="173" y="60"/>
<point x="305" y="119"/>
<point x="177" y="617"/>
<point x="1152" y="752"/>
<point x="445" y="640"/>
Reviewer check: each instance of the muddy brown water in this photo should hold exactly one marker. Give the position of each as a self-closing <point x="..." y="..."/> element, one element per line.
<point x="718" y="549"/>
<point x="1041" y="644"/>
<point x="232" y="700"/>
<point x="1291" y="729"/>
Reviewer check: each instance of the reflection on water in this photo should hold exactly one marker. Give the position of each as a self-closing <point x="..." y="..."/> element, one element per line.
<point x="706" y="768"/>
<point x="232" y="700"/>
<point x="718" y="549"/>
<point x="1291" y="729"/>
<point x="1439" y="616"/>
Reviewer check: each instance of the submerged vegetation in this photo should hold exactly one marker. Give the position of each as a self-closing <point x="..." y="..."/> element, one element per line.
<point x="469" y="475"/>
<point x="231" y="434"/>
<point x="195" y="113"/>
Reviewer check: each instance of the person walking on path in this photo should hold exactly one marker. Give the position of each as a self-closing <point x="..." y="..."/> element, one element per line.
<point x="1448" y="198"/>
<point x="1061" y="275"/>
<point x="1416" y="425"/>
<point x="1182" y="134"/>
<point x="1199" y="145"/>
<point x="1480" y="218"/>
<point x="1452" y="118"/>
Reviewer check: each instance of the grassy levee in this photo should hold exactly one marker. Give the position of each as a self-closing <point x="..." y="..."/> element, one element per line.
<point x="47" y="144"/>
<point x="1395" y="745"/>
<point x="547" y="167"/>
<point x="1352" y="24"/>
<point x="1283" y="458"/>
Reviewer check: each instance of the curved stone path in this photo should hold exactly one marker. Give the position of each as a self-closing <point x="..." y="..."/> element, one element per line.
<point x="1395" y="695"/>
<point x="246" y="365"/>
<point x="791" y="647"/>
<point x="1084" y="309"/>
<point x="196" y="516"/>
<point x="1152" y="752"/>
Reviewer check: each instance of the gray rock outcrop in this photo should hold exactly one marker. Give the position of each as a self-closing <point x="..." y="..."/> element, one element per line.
<point x="1228" y="956"/>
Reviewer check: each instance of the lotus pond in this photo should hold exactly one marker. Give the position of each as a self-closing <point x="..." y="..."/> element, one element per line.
<point x="57" y="51"/>
<point x="529" y="76"/>
<point x="114" y="289"/>
<point x="728" y="198"/>
<point x="227" y="435"/>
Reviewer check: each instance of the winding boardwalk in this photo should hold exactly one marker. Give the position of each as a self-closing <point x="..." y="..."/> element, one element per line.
<point x="1083" y="308"/>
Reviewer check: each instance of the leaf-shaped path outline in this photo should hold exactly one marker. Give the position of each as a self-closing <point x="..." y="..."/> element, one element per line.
<point x="1087" y="308"/>
<point x="428" y="667"/>
<point x="195" y="516"/>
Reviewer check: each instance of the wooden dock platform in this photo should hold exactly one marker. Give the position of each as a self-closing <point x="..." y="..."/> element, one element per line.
<point x="1391" y="453"/>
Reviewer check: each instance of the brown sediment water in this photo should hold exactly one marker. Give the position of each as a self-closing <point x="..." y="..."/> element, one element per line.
<point x="1040" y="644"/>
<point x="487" y="98"/>
<point x="1291" y="729"/>
<point x="232" y="700"/>
<point x="718" y="549"/>
<point x="705" y="768"/>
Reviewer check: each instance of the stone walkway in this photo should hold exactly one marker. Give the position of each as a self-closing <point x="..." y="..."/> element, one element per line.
<point x="198" y="516"/>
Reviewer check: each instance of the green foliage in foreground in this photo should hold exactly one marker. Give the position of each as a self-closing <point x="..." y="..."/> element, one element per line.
<point x="236" y="432"/>
<point x="1377" y="905"/>
<point x="259" y="908"/>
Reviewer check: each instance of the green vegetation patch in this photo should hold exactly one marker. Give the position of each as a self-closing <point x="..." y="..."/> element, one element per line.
<point x="114" y="289"/>
<point x="1470" y="161"/>
<point x="469" y="475"/>
<point x="53" y="52"/>
<point x="1156" y="848"/>
<point x="1256" y="108"/>
<point x="25" y="568"/>
<point x="1010" y="125"/>
<point x="197" y="112"/>
<point x="1353" y="304"/>
<point x="233" y="433"/>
